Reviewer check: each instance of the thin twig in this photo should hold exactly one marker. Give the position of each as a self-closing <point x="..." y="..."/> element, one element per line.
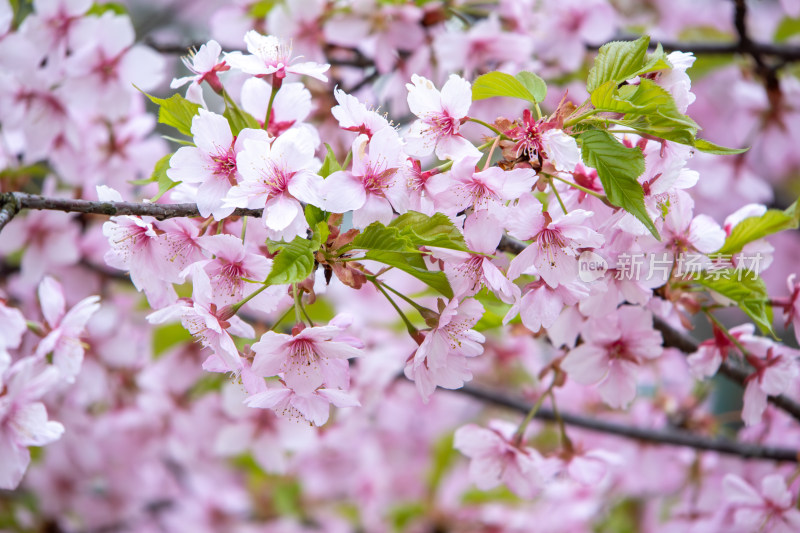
<point x="657" y="436"/>
<point x="8" y="208"/>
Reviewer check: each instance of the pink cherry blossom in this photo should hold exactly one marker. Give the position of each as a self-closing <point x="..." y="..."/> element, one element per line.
<point x="306" y="360"/>
<point x="488" y="189"/>
<point x="372" y="188"/>
<point x="541" y="304"/>
<point x="497" y="459"/>
<point x="274" y="177"/>
<point x="290" y="108"/>
<point x="440" y="116"/>
<point x="441" y="358"/>
<point x="313" y="406"/>
<point x="774" y="375"/>
<point x="467" y="271"/>
<point x="354" y="115"/>
<point x="556" y="241"/>
<point x="271" y="55"/>
<point x="210" y="325"/>
<point x="64" y="329"/>
<point x="771" y="509"/>
<point x="713" y="352"/>
<point x="23" y="419"/>
<point x="204" y="65"/>
<point x="12" y="328"/>
<point x="614" y="347"/>
<point x="212" y="162"/>
<point x="231" y="267"/>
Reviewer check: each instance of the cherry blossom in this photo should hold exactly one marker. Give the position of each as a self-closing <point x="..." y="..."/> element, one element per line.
<point x="313" y="406"/>
<point x="275" y="176"/>
<point x="23" y="418"/>
<point x="771" y="509"/>
<point x="774" y="375"/>
<point x="497" y="459"/>
<point x="371" y="189"/>
<point x="212" y="162"/>
<point x="64" y="328"/>
<point x="556" y="241"/>
<point x="306" y="360"/>
<point x="204" y="65"/>
<point x="440" y="359"/>
<point x="614" y="347"/>
<point x="440" y="115"/>
<point x="271" y="55"/>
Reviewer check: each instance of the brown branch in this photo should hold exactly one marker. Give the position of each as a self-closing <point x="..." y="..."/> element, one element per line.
<point x="657" y="436"/>
<point x="8" y="208"/>
<point x="158" y="211"/>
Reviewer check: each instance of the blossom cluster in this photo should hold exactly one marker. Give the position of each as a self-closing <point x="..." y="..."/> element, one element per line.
<point x="338" y="255"/>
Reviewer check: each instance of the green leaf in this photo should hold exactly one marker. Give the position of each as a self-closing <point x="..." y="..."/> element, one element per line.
<point x="618" y="168"/>
<point x="424" y="230"/>
<point x="164" y="184"/>
<point x="500" y="84"/>
<point x="113" y="7"/>
<point x="168" y="336"/>
<point x="329" y="165"/>
<point x="534" y="84"/>
<point x="376" y="236"/>
<point x="314" y="215"/>
<point x="321" y="233"/>
<point x="749" y="293"/>
<point x="648" y="108"/>
<point x="787" y="28"/>
<point x="261" y="9"/>
<point x="239" y="119"/>
<point x="754" y="228"/>
<point x="711" y="148"/>
<point x="176" y="111"/>
<point x="294" y="263"/>
<point x="414" y="265"/>
<point x="618" y="61"/>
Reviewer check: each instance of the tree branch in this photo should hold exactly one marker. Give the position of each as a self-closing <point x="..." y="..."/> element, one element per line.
<point x="656" y="436"/>
<point x="158" y="211"/>
<point x="14" y="201"/>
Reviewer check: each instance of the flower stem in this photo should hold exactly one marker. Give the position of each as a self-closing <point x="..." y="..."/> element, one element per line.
<point x="524" y="425"/>
<point x="579" y="118"/>
<point x="580" y="188"/>
<point x="422" y="310"/>
<point x="413" y="331"/>
<point x="296" y="295"/>
<point x="727" y="333"/>
<point x="246" y="299"/>
<point x="275" y="88"/>
<point x="489" y="126"/>
<point x="565" y="440"/>
<point x="558" y="197"/>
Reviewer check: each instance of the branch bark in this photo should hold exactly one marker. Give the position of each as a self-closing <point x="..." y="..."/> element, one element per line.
<point x="655" y="436"/>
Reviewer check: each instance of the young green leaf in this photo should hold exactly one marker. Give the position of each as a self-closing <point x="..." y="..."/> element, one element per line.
<point x="748" y="292"/>
<point x="423" y="230"/>
<point x="376" y="236"/>
<point x="501" y="84"/>
<point x="754" y="228"/>
<point x="711" y="148"/>
<point x="314" y="215"/>
<point x="176" y="111"/>
<point x="618" y="168"/>
<point x="414" y="265"/>
<point x="534" y="84"/>
<point x="294" y="263"/>
<point x="618" y="61"/>
<point x="329" y="165"/>
<point x="239" y="119"/>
